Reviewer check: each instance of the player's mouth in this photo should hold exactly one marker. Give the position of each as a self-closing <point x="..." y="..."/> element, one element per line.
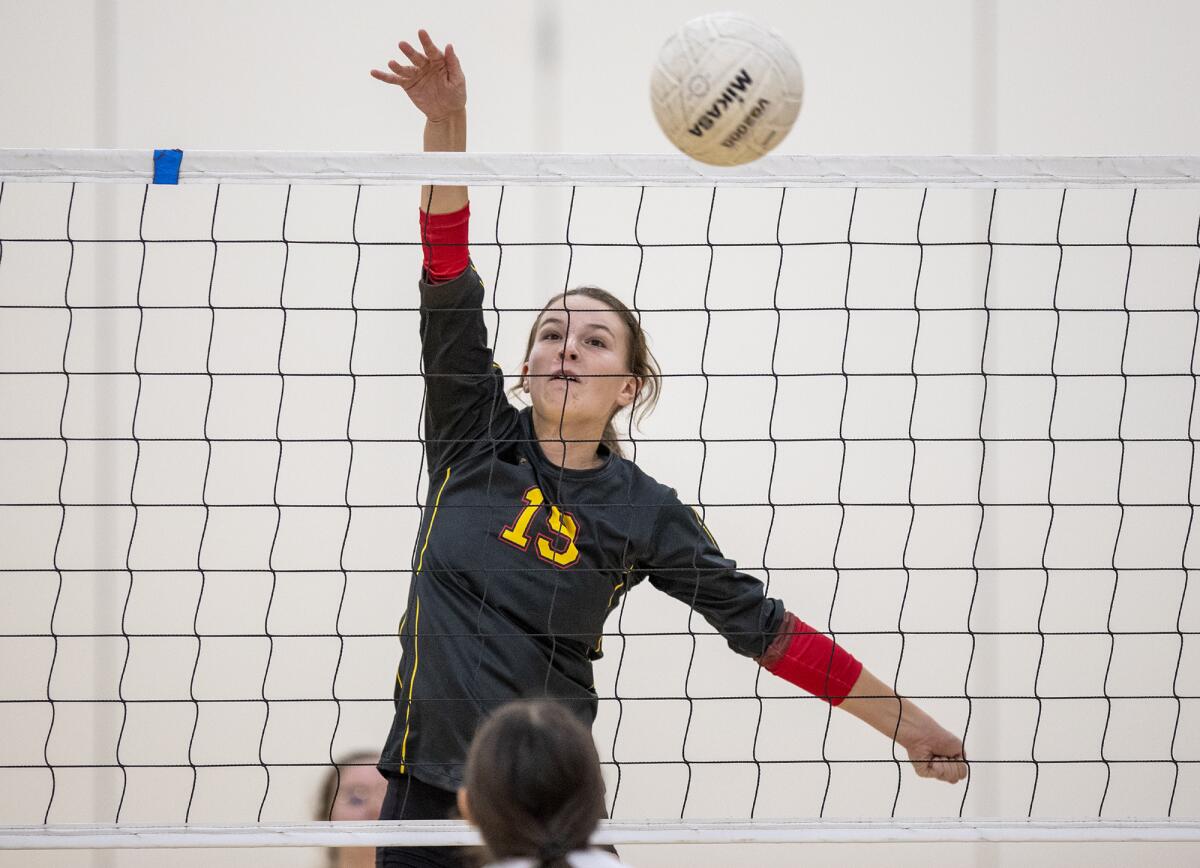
<point x="566" y="377"/>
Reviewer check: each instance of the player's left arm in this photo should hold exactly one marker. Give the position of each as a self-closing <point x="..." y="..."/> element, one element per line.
<point x="813" y="661"/>
<point x="685" y="562"/>
<point x="933" y="750"/>
<point x="689" y="566"/>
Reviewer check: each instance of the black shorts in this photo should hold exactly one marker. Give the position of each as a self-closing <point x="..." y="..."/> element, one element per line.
<point x="410" y="799"/>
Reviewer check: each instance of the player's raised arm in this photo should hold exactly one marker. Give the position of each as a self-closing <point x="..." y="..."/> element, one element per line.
<point x="435" y="83"/>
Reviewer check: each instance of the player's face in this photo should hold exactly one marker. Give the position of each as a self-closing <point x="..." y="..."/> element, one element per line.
<point x="578" y="366"/>
<point x="360" y="794"/>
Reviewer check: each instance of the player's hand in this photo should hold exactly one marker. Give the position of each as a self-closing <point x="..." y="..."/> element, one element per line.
<point x="938" y="753"/>
<point x="434" y="82"/>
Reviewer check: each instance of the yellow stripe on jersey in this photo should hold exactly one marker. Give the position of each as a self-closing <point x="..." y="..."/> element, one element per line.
<point x="704" y="527"/>
<point x="412" y="679"/>
<point x="608" y="608"/>
<point x="613" y="594"/>
<point x="429" y="530"/>
<point x="400" y="632"/>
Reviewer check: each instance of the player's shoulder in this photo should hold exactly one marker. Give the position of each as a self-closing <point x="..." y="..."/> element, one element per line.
<point x="643" y="487"/>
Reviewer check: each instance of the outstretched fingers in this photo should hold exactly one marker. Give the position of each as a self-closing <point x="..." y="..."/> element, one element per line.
<point x="427" y="44"/>
<point x="433" y="77"/>
<point x="403" y="71"/>
<point x="415" y="57"/>
<point x="453" y="67"/>
<point x="400" y="74"/>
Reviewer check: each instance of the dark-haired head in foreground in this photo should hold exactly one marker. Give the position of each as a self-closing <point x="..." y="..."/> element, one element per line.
<point x="532" y="784"/>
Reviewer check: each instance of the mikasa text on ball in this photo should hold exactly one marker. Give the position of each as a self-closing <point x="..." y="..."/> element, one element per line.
<point x="726" y="89"/>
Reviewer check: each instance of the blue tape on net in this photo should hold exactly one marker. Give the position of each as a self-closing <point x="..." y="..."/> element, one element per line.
<point x="166" y="166"/>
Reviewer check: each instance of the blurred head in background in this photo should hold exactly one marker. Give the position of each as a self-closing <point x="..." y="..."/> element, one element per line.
<point x="353" y="790"/>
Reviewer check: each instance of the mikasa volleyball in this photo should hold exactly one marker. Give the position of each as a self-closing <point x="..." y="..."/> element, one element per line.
<point x="726" y="89"/>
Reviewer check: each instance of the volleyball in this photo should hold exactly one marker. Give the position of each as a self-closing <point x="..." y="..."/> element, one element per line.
<point x="726" y="89"/>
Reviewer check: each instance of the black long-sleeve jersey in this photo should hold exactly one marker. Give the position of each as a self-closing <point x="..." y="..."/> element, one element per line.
<point x="518" y="561"/>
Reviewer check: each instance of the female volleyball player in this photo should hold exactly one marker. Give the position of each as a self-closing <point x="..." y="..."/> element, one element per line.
<point x="536" y="525"/>
<point x="533" y="787"/>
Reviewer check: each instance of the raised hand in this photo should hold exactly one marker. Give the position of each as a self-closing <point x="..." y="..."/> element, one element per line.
<point x="434" y="82"/>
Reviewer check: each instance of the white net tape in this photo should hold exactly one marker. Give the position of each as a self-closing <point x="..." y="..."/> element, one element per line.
<point x="898" y="830"/>
<point x="987" y="172"/>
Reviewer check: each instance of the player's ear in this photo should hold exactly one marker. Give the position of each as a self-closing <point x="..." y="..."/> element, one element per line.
<point x="525" y="377"/>
<point x="464" y="805"/>
<point x="629" y="390"/>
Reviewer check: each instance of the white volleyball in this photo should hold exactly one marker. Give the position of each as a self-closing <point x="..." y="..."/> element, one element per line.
<point x="726" y="89"/>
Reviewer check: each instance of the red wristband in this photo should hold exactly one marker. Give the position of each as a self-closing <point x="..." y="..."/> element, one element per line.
<point x="444" y="244"/>
<point x="811" y="660"/>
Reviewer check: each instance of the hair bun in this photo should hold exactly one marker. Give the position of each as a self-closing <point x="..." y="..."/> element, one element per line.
<point x="552" y="849"/>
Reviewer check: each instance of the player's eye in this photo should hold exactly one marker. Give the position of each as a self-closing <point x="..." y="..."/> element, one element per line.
<point x="550" y="335"/>
<point x="597" y="342"/>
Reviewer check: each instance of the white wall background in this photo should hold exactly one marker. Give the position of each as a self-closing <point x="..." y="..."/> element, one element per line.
<point x="932" y="77"/>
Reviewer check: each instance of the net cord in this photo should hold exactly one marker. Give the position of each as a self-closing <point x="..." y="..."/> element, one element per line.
<point x="758" y="775"/>
<point x="1188" y="538"/>
<point x="204" y="496"/>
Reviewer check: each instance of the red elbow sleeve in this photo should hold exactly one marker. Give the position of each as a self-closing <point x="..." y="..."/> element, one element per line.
<point x="811" y="660"/>
<point x="444" y="244"/>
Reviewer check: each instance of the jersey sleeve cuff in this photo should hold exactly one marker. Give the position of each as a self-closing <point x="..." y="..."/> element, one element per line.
<point x="444" y="250"/>
<point x="462" y="291"/>
<point x="812" y="661"/>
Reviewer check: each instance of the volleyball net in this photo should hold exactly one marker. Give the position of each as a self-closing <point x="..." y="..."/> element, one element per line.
<point x="943" y="407"/>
